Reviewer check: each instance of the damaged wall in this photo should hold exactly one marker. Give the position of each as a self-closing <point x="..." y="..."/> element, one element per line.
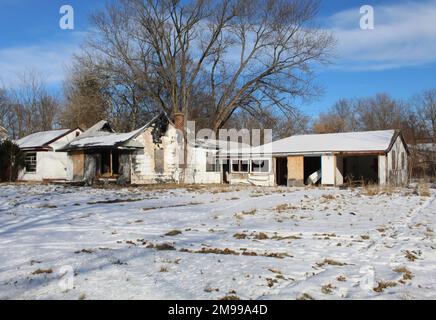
<point x="159" y="152"/>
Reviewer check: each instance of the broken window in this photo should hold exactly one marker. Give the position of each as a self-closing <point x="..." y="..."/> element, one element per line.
<point x="240" y="166"/>
<point x="260" y="166"/>
<point x="30" y="162"/>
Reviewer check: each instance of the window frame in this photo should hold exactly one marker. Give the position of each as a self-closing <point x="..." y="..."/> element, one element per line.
<point x="34" y="161"/>
<point x="260" y="172"/>
<point x="239" y="161"/>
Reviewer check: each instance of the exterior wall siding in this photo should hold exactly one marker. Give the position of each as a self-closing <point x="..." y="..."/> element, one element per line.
<point x="328" y="168"/>
<point x="49" y="166"/>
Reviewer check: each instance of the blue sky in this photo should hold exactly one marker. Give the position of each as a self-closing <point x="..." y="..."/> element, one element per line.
<point x="398" y="57"/>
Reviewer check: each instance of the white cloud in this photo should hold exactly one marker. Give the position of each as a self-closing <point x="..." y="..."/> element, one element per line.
<point x="404" y="35"/>
<point x="49" y="60"/>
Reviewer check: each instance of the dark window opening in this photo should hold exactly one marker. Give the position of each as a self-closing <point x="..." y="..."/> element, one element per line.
<point x="312" y="165"/>
<point x="240" y="166"/>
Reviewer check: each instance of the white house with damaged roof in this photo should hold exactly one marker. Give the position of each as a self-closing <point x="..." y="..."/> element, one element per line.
<point x="327" y="159"/>
<point x="44" y="160"/>
<point x="150" y="154"/>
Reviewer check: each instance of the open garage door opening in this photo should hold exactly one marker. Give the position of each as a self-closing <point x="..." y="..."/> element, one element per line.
<point x="312" y="170"/>
<point x="359" y="169"/>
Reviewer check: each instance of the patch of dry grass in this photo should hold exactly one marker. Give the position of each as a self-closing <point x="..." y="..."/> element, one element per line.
<point x="423" y="190"/>
<point x="261" y="236"/>
<point x="341" y="278"/>
<point x="173" y="232"/>
<point x="164" y="246"/>
<point x="382" y="285"/>
<point x="43" y="271"/>
<point x="327" y="288"/>
<point x="230" y="297"/>
<point x="284" y="207"/>
<point x="305" y="296"/>
<point x="330" y="262"/>
<point x="407" y="274"/>
<point x="410" y="255"/>
<point x="239" y="236"/>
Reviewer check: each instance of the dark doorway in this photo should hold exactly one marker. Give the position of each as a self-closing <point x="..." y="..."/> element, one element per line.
<point x="225" y="171"/>
<point x="312" y="165"/>
<point x="109" y="162"/>
<point x="282" y="171"/>
<point x="360" y="169"/>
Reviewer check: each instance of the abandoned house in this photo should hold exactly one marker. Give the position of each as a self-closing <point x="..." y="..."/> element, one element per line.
<point x="44" y="159"/>
<point x="327" y="159"/>
<point x="147" y="155"/>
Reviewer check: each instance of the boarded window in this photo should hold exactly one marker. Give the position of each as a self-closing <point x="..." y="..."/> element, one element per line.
<point x="260" y="166"/>
<point x="30" y="162"/>
<point x="159" y="160"/>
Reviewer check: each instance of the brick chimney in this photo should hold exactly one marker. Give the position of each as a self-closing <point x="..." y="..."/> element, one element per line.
<point x="179" y="121"/>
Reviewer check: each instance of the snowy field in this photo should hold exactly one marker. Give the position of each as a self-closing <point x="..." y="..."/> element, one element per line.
<point x="217" y="242"/>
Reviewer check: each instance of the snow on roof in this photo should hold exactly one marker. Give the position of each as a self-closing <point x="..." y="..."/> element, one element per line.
<point x="367" y="141"/>
<point x="102" y="135"/>
<point x="40" y="139"/>
<point x="104" y="140"/>
<point x="220" y="144"/>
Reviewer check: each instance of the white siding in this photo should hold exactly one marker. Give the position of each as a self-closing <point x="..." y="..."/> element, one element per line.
<point x="49" y="166"/>
<point x="382" y="169"/>
<point x="328" y="170"/>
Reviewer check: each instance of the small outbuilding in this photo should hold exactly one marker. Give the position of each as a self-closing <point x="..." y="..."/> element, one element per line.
<point x="44" y="159"/>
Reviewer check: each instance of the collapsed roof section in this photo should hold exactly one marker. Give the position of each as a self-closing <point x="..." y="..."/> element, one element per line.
<point x="101" y="135"/>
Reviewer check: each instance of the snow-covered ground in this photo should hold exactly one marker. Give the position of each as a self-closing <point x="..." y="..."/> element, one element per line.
<point x="246" y="242"/>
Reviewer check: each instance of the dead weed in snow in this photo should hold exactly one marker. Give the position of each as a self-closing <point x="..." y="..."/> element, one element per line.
<point x="173" y="232"/>
<point x="330" y="262"/>
<point x="42" y="271"/>
<point x="382" y="285"/>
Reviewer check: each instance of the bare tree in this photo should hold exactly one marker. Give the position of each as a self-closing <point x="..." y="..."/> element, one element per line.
<point x="85" y="102"/>
<point x="241" y="54"/>
<point x="425" y="104"/>
<point x="340" y="118"/>
<point x="34" y="108"/>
